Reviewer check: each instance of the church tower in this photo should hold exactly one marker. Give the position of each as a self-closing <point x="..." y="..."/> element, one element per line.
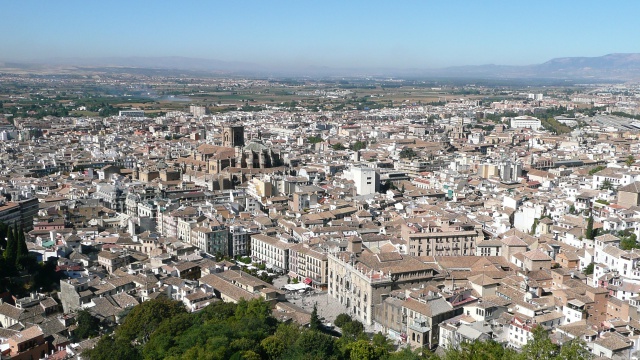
<point x="232" y="136"/>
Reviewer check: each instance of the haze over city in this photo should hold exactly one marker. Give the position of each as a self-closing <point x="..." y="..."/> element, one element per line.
<point x="353" y="34"/>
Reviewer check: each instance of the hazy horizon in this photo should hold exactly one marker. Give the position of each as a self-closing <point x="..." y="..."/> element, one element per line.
<point x="357" y="34"/>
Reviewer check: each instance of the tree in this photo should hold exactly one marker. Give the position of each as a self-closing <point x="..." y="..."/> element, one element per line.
<point x="342" y="319"/>
<point x="109" y="348"/>
<point x="315" y="323"/>
<point x="574" y="350"/>
<point x="338" y="146"/>
<point x="314" y="139"/>
<point x="46" y="277"/>
<point x="273" y="347"/>
<point x="145" y="318"/>
<point x="590" y="232"/>
<point x="352" y="329"/>
<point x="630" y="160"/>
<point x="288" y="333"/>
<point x="382" y="343"/>
<point x="11" y="252"/>
<point x="407" y="153"/>
<point x="359" y="145"/>
<point x="313" y="345"/>
<point x="629" y="242"/>
<point x="589" y="269"/>
<point x="534" y="226"/>
<point x="4" y="229"/>
<point x="479" y="350"/>
<point x="22" y="252"/>
<point x="540" y="347"/>
<point x="162" y="340"/>
<point x="87" y="326"/>
<point x="596" y="169"/>
<point x="606" y="185"/>
<point x="363" y="350"/>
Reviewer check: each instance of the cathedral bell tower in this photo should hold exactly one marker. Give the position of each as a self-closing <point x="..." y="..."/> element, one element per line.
<point x="232" y="136"/>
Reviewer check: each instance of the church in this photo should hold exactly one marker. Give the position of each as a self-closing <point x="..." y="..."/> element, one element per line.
<point x="235" y="153"/>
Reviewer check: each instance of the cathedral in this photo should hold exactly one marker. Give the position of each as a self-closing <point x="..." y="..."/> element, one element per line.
<point x="235" y="153"/>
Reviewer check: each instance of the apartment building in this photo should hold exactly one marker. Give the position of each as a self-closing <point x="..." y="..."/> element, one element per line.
<point x="270" y="251"/>
<point x="427" y="239"/>
<point x="360" y="279"/>
<point x="308" y="265"/>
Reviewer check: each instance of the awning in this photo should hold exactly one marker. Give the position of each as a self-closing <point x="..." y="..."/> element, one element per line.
<point x="308" y="281"/>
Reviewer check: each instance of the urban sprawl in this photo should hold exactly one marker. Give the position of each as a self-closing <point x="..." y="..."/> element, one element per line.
<point x="479" y="214"/>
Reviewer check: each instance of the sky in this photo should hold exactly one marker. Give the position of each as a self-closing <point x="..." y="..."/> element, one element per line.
<point x="337" y="34"/>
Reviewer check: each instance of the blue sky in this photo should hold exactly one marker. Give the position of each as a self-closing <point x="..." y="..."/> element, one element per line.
<point x="398" y="34"/>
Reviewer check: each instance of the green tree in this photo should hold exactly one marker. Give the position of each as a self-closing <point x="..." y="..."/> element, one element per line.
<point x="4" y="229"/>
<point x="109" y="348"/>
<point x="534" y="226"/>
<point x="596" y="169"/>
<point x="22" y="252"/>
<point x="540" y="347"/>
<point x="606" y="185"/>
<point x="363" y="350"/>
<point x="312" y="345"/>
<point x="315" y="323"/>
<point x="479" y="350"/>
<point x="164" y="337"/>
<point x="338" y="146"/>
<point x="288" y="333"/>
<point x="589" y="269"/>
<point x="359" y="145"/>
<point x="273" y="347"/>
<point x="574" y="350"/>
<point x="353" y="329"/>
<point x="382" y="343"/>
<point x="250" y="355"/>
<point x="342" y="319"/>
<point x="407" y="153"/>
<point x="314" y="139"/>
<point x="405" y="354"/>
<point x="87" y="326"/>
<point x="629" y="242"/>
<point x="46" y="277"/>
<point x="630" y="160"/>
<point x="145" y="318"/>
<point x="590" y="233"/>
<point x="11" y="252"/>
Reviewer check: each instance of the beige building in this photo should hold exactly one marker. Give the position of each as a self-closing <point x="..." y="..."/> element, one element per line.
<point x="432" y="240"/>
<point x="270" y="251"/>
<point x="360" y="279"/>
<point x="629" y="195"/>
<point x="112" y="261"/>
<point x="308" y="265"/>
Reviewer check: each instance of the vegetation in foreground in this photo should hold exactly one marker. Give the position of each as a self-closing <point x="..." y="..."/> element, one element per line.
<point x="163" y="329"/>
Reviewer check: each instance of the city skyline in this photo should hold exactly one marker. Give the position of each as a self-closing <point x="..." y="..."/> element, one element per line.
<point x="328" y="34"/>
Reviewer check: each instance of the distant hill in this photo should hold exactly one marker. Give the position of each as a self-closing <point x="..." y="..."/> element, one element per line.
<point x="621" y="67"/>
<point x="612" y="66"/>
<point x="165" y="62"/>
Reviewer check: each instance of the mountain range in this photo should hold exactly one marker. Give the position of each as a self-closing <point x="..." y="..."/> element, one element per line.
<point x="620" y="67"/>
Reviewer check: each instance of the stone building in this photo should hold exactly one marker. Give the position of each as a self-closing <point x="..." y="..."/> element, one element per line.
<point x="360" y="279"/>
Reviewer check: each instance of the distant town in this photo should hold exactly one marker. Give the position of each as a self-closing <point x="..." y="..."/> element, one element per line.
<point x="433" y="213"/>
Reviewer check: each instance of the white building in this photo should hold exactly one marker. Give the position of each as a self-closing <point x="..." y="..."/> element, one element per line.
<point x="366" y="179"/>
<point x="270" y="251"/>
<point x="525" y="122"/>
